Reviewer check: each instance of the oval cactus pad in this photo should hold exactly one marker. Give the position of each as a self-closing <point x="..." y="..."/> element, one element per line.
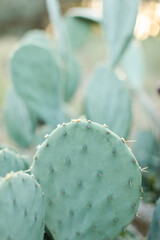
<point x="37" y="79"/>
<point x="91" y="180"/>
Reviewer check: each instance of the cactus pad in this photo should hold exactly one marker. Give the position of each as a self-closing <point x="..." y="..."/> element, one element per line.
<point x="91" y="180"/>
<point x="133" y="65"/>
<point x="12" y="161"/>
<point x="115" y="14"/>
<point x="37" y="79"/>
<point x="108" y="101"/>
<point x="20" y="123"/>
<point x="22" y="208"/>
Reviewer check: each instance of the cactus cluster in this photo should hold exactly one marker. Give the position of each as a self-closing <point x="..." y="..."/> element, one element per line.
<point x="107" y="95"/>
<point x="41" y="84"/>
<point x="85" y="182"/>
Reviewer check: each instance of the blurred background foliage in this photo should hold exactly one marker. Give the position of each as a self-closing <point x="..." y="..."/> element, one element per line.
<point x="16" y="17"/>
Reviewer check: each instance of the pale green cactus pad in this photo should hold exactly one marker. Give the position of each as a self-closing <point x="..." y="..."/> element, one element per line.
<point x="109" y="102"/>
<point x="22" y="208"/>
<point x="91" y="181"/>
<point x="12" y="161"/>
<point x="119" y="19"/>
<point x="69" y="69"/>
<point x="19" y="121"/>
<point x="134" y="65"/>
<point x="37" y="79"/>
<point x="154" y="231"/>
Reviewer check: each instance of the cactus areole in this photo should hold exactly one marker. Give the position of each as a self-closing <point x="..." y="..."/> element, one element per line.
<point x="91" y="181"/>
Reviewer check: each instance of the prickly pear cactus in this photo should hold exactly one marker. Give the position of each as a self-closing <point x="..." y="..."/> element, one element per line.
<point x="109" y="102"/>
<point x="19" y="121"/>
<point x="154" y="231"/>
<point x="12" y="161"/>
<point x="91" y="180"/>
<point x="22" y="208"/>
<point x="37" y="79"/>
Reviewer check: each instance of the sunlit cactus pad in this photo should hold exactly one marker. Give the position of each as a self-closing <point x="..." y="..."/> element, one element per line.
<point x="12" y="161"/>
<point x="91" y="180"/>
<point x="22" y="208"/>
<point x="108" y="101"/>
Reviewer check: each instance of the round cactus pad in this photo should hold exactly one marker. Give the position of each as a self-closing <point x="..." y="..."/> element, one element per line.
<point x="12" y="161"/>
<point x="37" y="79"/>
<point x="22" y="208"/>
<point x="91" y="180"/>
